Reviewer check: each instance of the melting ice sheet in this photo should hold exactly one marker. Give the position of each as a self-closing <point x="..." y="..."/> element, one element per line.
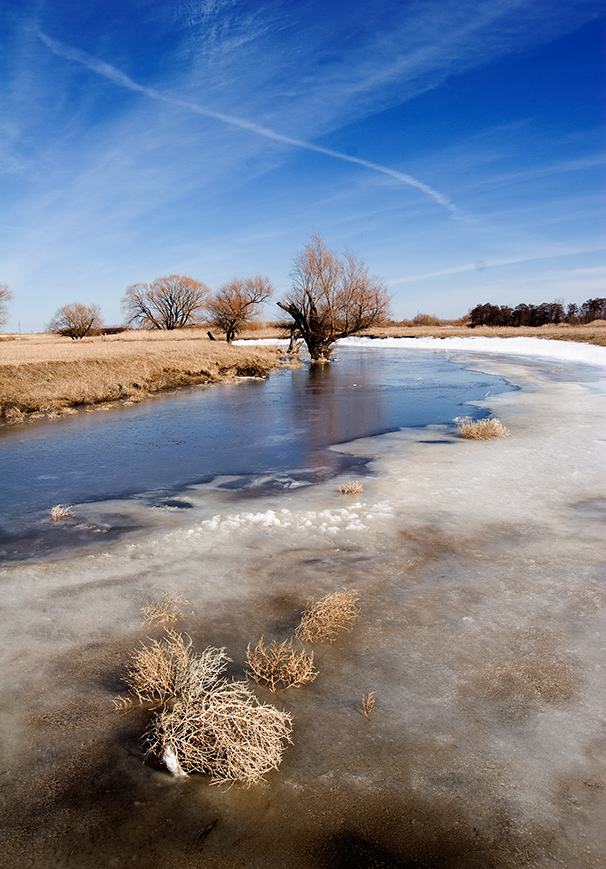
<point x="479" y="571"/>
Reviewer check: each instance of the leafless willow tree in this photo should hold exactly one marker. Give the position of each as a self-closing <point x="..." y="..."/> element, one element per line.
<point x="5" y="297"/>
<point x="76" y="320"/>
<point x="331" y="297"/>
<point x="171" y="302"/>
<point x="237" y="303"/>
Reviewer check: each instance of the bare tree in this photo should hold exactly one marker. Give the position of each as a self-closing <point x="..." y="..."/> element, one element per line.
<point x="237" y="302"/>
<point x="171" y="302"/>
<point x="5" y="297"/>
<point x="76" y="320"/>
<point x="331" y="298"/>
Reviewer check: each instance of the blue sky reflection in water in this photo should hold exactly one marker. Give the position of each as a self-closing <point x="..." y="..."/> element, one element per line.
<point x="253" y="427"/>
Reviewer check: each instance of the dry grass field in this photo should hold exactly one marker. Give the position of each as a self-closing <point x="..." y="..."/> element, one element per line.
<point x="48" y="375"/>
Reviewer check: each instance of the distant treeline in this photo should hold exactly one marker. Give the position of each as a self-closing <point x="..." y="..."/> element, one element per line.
<point x="537" y="315"/>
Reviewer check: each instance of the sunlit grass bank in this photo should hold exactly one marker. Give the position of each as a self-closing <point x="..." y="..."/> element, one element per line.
<point x="47" y="375"/>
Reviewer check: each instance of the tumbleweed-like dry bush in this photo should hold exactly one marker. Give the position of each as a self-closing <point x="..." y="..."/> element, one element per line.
<point x="206" y="724"/>
<point x="482" y="429"/>
<point x="351" y="487"/>
<point x="168" y="669"/>
<point x="225" y="732"/>
<point x="62" y="511"/>
<point x="324" y="619"/>
<point x="159" y="671"/>
<point x="278" y="666"/>
<point x="165" y="611"/>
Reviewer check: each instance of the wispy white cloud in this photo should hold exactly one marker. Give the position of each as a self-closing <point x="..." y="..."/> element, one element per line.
<point x="118" y="77"/>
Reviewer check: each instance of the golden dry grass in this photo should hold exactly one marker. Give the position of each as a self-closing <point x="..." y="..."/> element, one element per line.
<point x="351" y="487"/>
<point x="482" y="429"/>
<point x="50" y="375"/>
<point x="278" y="666"/>
<point x="324" y="619"/>
<point x="165" y="611"/>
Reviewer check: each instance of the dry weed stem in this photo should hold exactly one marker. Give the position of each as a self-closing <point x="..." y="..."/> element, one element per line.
<point x="368" y="702"/>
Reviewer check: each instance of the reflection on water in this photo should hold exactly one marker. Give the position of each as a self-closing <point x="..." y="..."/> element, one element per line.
<point x="251" y="427"/>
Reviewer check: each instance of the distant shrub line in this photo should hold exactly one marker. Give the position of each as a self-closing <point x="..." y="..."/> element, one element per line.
<point x="537" y="315"/>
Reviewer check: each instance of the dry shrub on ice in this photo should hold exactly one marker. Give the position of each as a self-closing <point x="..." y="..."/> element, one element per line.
<point x="206" y="723"/>
<point x="279" y="666"/>
<point x="324" y="619"/>
<point x="61" y="511"/>
<point x="165" y="611"/>
<point x="225" y="732"/>
<point x="351" y="487"/>
<point x="482" y="429"/>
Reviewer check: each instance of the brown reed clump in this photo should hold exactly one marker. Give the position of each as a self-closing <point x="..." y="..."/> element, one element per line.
<point x="351" y="487"/>
<point x="368" y="703"/>
<point x="482" y="429"/>
<point x="62" y="511"/>
<point x="324" y="619"/>
<point x="225" y="732"/>
<point x="165" y="611"/>
<point x="278" y="666"/>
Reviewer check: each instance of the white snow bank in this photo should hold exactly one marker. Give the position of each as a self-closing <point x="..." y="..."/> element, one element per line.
<point x="545" y="348"/>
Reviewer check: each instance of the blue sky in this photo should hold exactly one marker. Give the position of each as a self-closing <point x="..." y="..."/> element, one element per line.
<point x="456" y="145"/>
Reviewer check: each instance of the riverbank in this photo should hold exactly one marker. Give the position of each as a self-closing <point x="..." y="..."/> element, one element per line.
<point x="47" y="376"/>
<point x="481" y="631"/>
<point x="590" y="333"/>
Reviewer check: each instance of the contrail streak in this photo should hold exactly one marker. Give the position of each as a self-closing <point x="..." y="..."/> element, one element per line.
<point x="120" y="78"/>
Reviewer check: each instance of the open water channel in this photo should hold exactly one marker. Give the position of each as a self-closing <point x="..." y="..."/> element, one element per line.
<point x="279" y="428"/>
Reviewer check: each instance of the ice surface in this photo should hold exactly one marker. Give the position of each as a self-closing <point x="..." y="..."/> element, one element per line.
<point x="479" y="567"/>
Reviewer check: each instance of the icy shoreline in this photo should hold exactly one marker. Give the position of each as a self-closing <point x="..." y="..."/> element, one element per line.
<point x="478" y="566"/>
<point x="542" y="348"/>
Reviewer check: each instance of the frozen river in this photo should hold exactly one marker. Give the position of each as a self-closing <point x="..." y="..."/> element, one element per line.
<point x="480" y="573"/>
<point x="279" y="429"/>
